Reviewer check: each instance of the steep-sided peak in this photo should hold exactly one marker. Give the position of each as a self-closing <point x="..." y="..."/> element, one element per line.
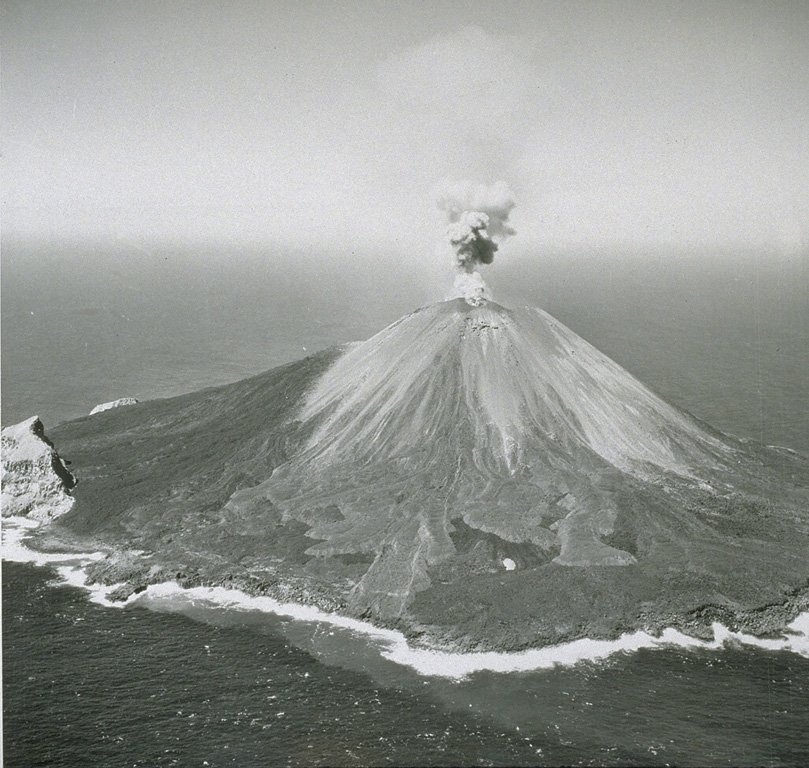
<point x="501" y="383"/>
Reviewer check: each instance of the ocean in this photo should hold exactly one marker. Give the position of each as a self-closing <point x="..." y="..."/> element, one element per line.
<point x="185" y="681"/>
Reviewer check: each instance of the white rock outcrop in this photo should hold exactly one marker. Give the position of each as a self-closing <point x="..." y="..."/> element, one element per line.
<point x="113" y="404"/>
<point x="36" y="482"/>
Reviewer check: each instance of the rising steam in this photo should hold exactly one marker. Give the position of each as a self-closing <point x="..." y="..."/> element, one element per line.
<point x="478" y="221"/>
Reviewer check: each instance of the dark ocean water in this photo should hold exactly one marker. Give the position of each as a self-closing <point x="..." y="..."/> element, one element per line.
<point x="86" y="685"/>
<point x="191" y="685"/>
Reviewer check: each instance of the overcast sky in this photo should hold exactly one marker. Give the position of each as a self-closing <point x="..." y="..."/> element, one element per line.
<point x="328" y="125"/>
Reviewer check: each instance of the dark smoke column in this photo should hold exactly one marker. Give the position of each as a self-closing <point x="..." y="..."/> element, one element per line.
<point x="478" y="221"/>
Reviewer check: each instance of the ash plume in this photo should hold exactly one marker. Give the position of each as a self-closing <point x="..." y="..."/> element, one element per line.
<point x="478" y="222"/>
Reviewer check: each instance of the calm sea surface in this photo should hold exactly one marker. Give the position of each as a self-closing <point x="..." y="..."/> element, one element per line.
<point x="196" y="685"/>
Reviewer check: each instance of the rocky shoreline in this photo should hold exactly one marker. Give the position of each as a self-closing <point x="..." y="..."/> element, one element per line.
<point x="131" y="573"/>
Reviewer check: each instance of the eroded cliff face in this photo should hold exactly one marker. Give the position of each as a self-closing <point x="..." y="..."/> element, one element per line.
<point x="479" y="475"/>
<point x="35" y="480"/>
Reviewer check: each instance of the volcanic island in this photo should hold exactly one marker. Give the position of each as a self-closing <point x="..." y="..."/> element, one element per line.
<point x="480" y="478"/>
<point x="477" y="477"/>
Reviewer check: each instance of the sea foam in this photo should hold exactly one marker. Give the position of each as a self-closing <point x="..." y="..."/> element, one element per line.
<point x="393" y="645"/>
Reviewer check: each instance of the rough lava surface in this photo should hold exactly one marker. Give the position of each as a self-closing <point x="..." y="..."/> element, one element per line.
<point x="475" y="476"/>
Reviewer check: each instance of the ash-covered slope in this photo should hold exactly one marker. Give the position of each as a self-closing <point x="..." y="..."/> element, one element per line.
<point x="515" y="377"/>
<point x="396" y="478"/>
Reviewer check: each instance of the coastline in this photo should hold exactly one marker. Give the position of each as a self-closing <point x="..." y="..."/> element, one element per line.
<point x="222" y="488"/>
<point x="426" y="654"/>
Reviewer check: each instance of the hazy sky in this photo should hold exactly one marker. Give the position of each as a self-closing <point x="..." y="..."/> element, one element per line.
<point x="329" y="124"/>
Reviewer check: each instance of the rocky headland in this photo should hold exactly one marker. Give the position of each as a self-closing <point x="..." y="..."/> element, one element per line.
<point x="36" y="482"/>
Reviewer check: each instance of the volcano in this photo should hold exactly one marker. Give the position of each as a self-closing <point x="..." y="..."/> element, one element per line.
<point x="476" y="476"/>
